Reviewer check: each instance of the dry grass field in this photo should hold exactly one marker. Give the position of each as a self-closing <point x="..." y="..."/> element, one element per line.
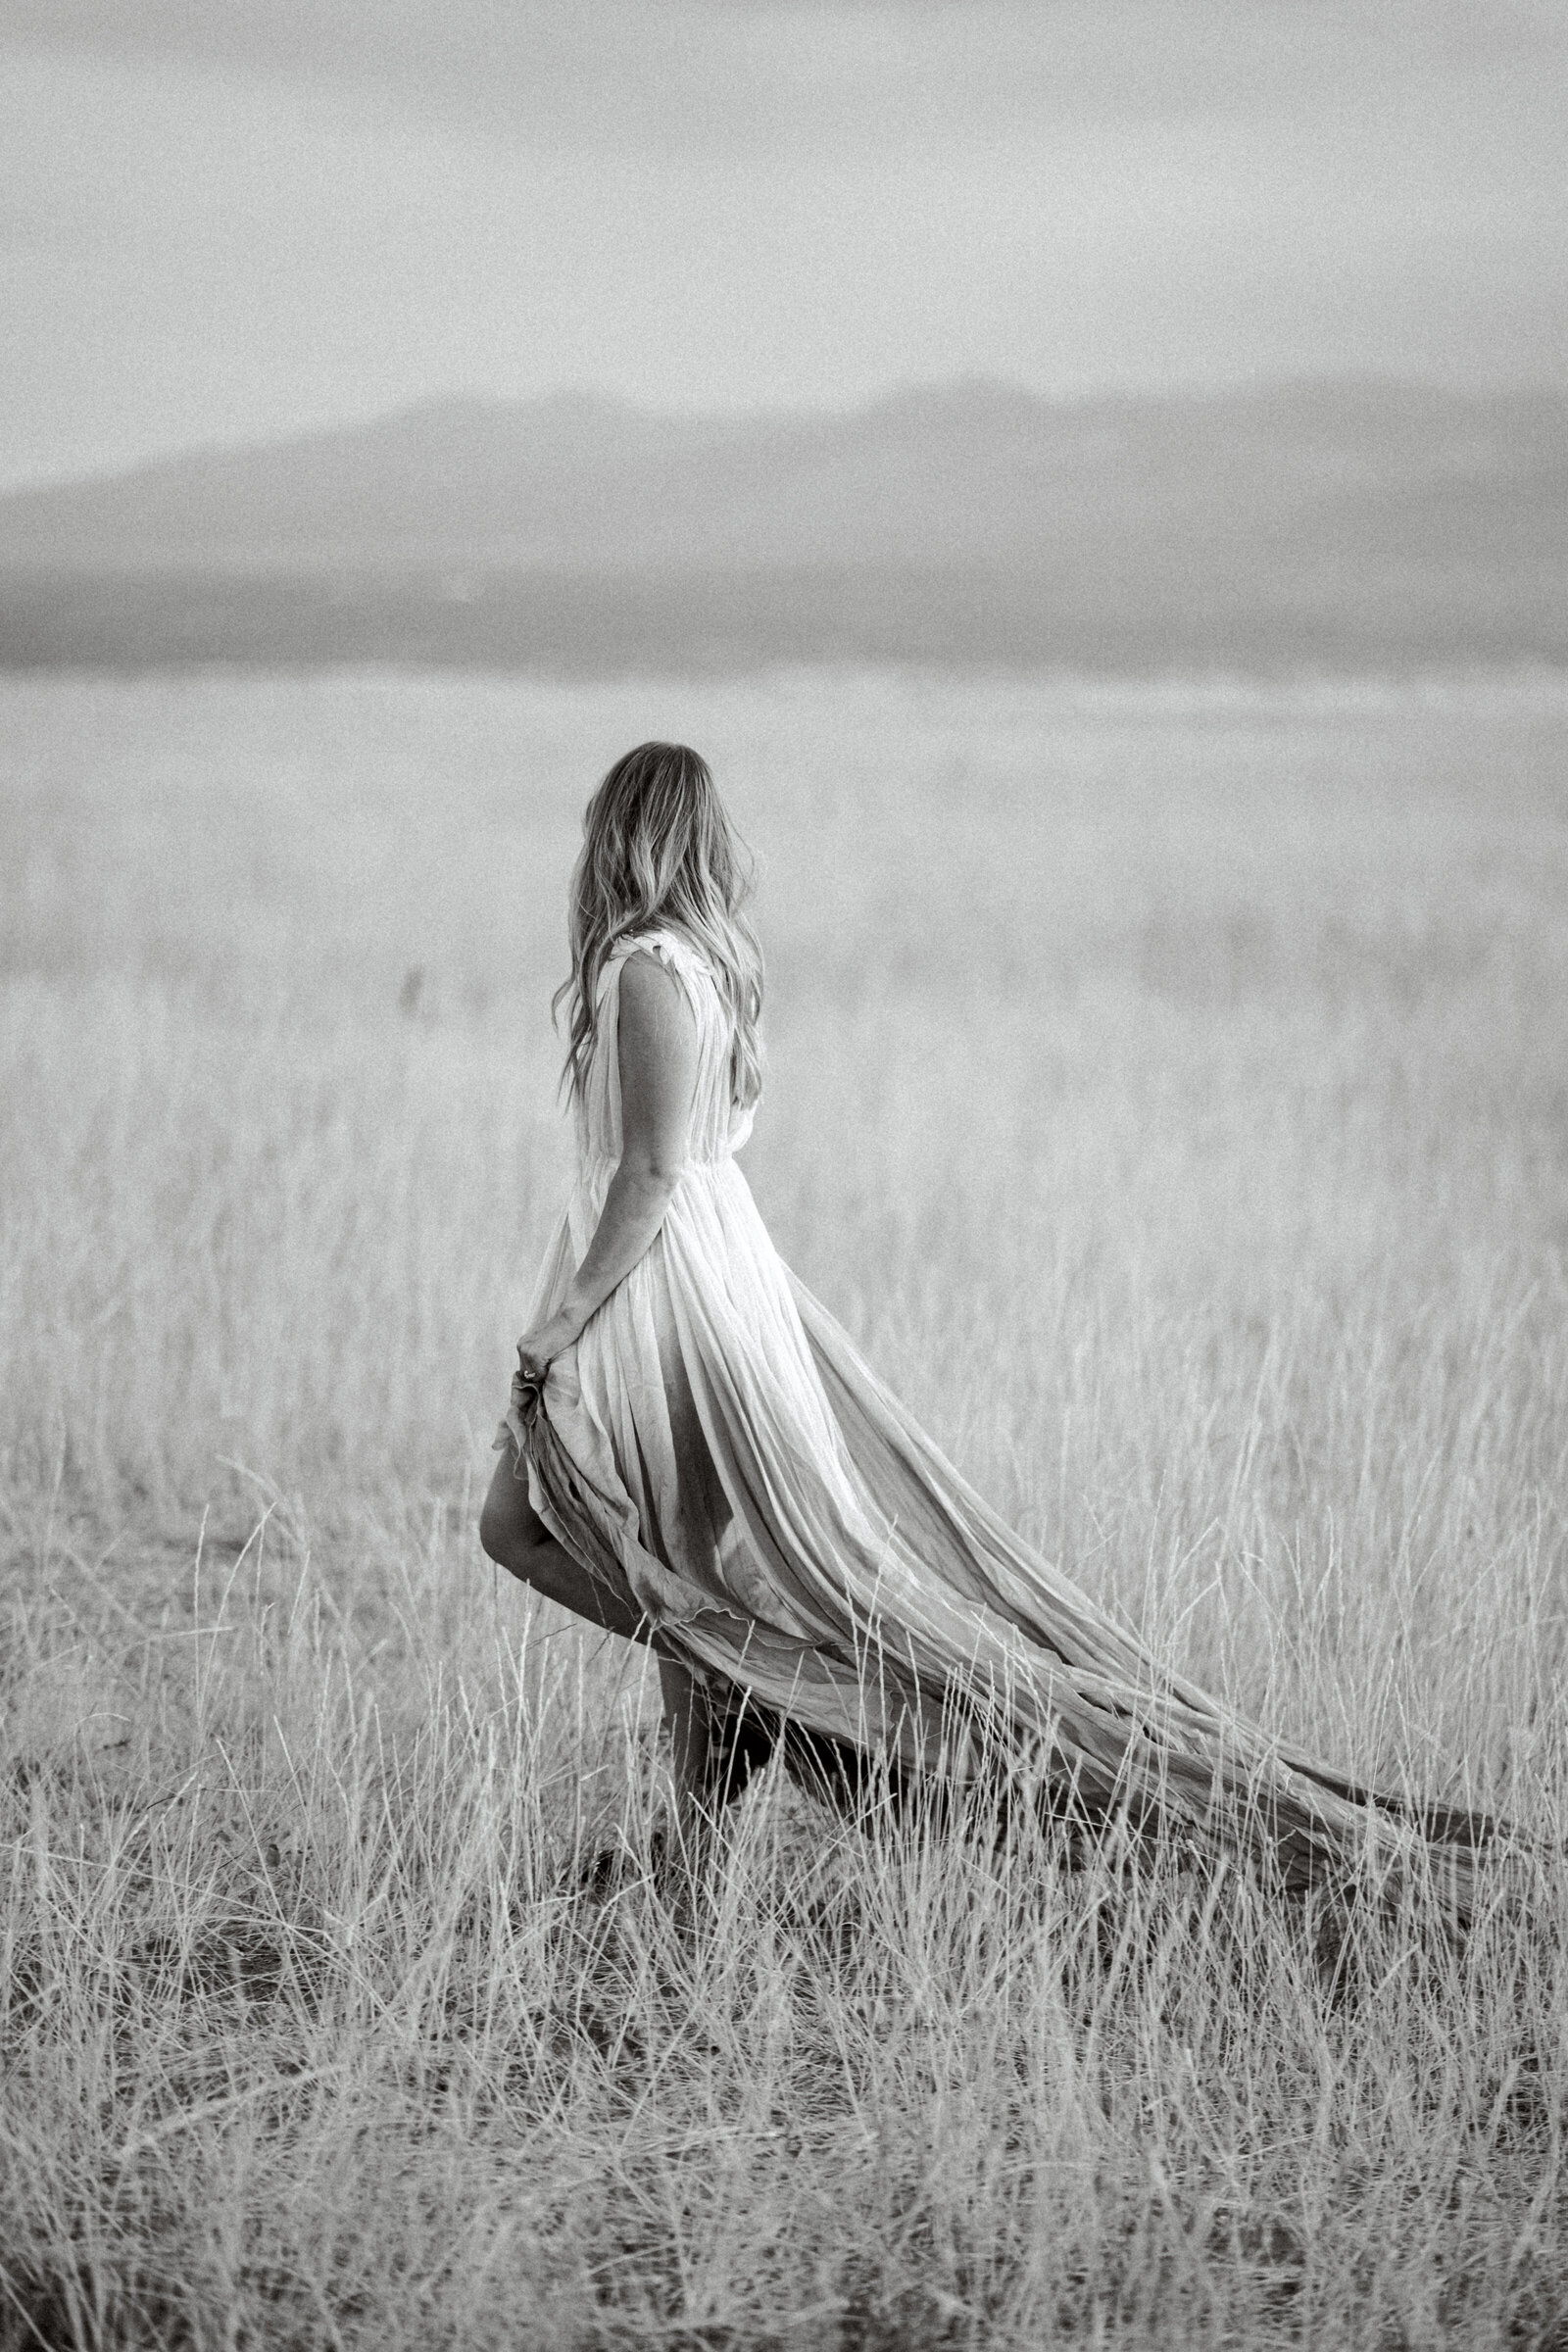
<point x="1168" y="1089"/>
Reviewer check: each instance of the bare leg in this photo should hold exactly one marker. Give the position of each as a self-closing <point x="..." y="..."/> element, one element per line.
<point x="517" y="1540"/>
<point x="686" y="1713"/>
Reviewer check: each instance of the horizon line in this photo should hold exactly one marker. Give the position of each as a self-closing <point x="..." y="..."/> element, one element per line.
<point x="585" y="396"/>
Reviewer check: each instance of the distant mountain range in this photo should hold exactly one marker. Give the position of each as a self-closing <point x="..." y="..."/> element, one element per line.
<point x="1330" y="524"/>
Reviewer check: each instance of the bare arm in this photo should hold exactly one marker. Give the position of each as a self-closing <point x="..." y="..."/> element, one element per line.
<point x="657" y="1061"/>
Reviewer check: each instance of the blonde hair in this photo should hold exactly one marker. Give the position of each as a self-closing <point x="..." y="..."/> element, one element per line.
<point x="659" y="852"/>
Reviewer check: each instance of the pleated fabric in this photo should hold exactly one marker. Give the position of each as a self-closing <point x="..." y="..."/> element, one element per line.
<point x="715" y="1440"/>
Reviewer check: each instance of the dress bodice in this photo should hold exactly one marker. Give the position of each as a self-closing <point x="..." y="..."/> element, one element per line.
<point x="718" y="1127"/>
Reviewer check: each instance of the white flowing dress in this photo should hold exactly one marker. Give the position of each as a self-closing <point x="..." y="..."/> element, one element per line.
<point x="717" y="1441"/>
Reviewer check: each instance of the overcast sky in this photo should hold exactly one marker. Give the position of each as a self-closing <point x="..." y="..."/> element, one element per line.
<point x="227" y="218"/>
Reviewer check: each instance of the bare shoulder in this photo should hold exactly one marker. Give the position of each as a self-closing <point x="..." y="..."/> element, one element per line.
<point x="657" y="1058"/>
<point x="654" y="1007"/>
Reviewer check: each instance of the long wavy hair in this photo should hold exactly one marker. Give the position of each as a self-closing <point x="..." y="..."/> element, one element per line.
<point x="659" y="852"/>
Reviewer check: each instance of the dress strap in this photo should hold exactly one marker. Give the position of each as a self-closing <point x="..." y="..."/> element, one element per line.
<point x="672" y="950"/>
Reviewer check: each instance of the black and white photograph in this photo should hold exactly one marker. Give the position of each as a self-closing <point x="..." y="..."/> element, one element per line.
<point x="783" y="1175"/>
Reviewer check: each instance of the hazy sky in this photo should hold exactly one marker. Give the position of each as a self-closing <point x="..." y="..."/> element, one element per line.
<point x="221" y="219"/>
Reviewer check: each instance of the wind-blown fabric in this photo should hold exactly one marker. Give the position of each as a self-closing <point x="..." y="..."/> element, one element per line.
<point x="715" y="1442"/>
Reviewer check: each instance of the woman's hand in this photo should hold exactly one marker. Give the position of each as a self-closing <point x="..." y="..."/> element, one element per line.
<point x="539" y="1347"/>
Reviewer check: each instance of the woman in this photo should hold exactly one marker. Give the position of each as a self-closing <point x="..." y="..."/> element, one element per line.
<point x="696" y="1455"/>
